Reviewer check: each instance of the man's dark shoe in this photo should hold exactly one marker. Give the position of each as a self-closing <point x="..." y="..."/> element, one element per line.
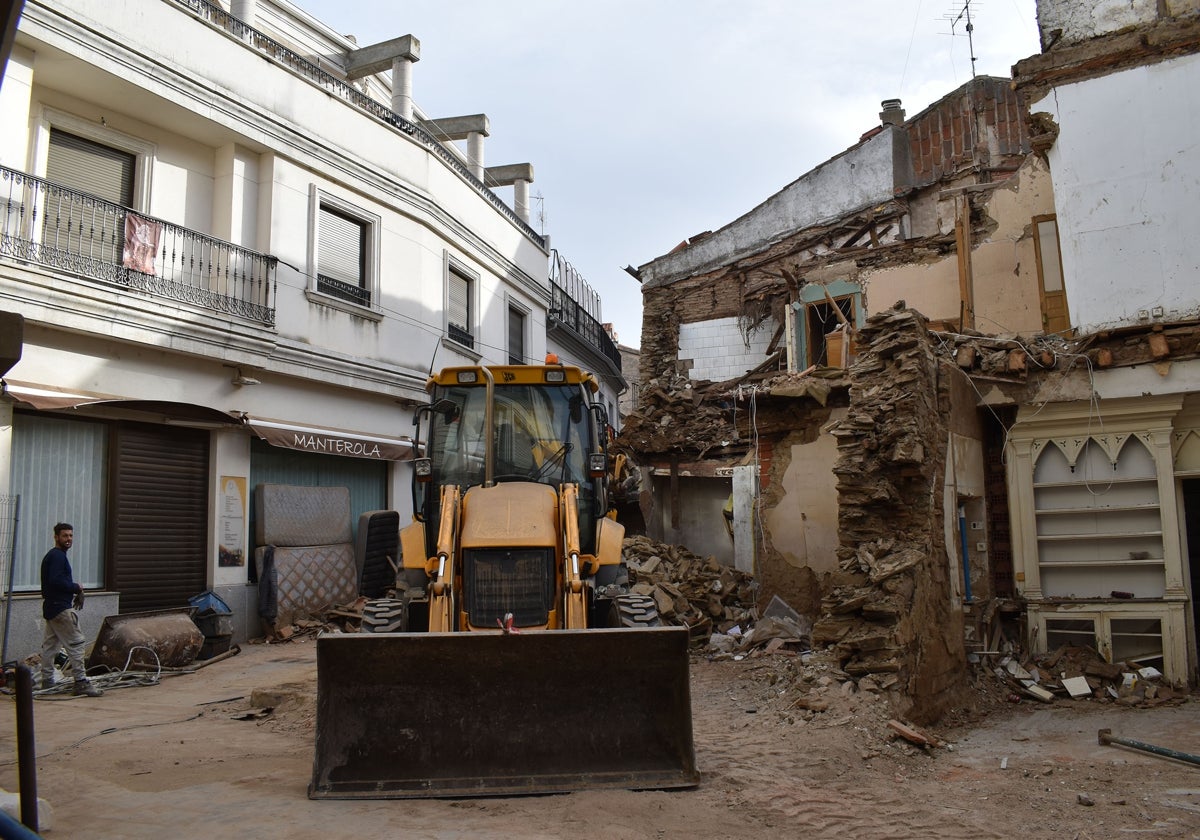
<point x="46" y="684"/>
<point x="83" y="688"/>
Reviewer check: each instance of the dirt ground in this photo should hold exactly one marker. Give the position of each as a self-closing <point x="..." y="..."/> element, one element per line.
<point x="783" y="750"/>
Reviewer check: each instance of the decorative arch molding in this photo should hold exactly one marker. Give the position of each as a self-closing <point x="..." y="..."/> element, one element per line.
<point x="1112" y="444"/>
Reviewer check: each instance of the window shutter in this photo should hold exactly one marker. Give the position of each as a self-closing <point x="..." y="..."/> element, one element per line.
<point x="340" y="248"/>
<point x="460" y="302"/>
<point x="516" y="337"/>
<point x="90" y="167"/>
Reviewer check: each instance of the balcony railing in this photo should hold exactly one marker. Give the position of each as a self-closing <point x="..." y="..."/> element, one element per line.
<point x="47" y="224"/>
<point x="564" y="311"/>
<point x="292" y="60"/>
<point x="568" y="288"/>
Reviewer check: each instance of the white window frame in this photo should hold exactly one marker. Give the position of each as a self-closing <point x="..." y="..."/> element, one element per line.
<point x="144" y="152"/>
<point x="452" y="265"/>
<point x="319" y="199"/>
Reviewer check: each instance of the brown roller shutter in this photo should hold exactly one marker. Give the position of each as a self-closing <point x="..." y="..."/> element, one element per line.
<point x="160" y="516"/>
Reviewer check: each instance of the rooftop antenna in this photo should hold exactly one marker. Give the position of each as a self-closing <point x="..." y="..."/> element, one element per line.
<point x="540" y="200"/>
<point x="959" y="16"/>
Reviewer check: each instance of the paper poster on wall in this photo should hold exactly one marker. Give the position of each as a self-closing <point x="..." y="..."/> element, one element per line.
<point x="232" y="548"/>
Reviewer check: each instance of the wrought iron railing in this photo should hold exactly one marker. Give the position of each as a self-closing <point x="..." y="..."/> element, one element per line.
<point x="567" y="313"/>
<point x="567" y="287"/>
<point x="461" y="335"/>
<point x="292" y="60"/>
<point x="345" y="291"/>
<point x="48" y="224"/>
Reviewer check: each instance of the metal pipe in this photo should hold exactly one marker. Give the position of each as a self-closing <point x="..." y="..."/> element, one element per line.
<point x="489" y="409"/>
<point x="1106" y="738"/>
<point x="26" y="754"/>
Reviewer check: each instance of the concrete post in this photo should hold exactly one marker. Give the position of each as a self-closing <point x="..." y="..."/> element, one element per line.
<point x="402" y="103"/>
<point x="475" y="153"/>
<point x="244" y="10"/>
<point x="521" y="199"/>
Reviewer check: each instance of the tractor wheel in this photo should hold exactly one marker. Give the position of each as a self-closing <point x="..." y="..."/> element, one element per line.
<point x="631" y="610"/>
<point x="385" y="615"/>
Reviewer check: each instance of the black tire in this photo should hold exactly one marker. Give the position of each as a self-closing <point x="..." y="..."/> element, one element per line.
<point x="635" y="611"/>
<point x="385" y="615"/>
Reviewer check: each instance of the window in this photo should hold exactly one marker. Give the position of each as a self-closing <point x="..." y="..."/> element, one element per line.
<point x="1055" y="316"/>
<point x="460" y="304"/>
<point x="341" y="257"/>
<point x="516" y="335"/>
<point x="344" y="252"/>
<point x="823" y="314"/>
<point x="81" y="227"/>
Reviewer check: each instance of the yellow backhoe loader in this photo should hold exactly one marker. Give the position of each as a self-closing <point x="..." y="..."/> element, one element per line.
<point x="514" y="658"/>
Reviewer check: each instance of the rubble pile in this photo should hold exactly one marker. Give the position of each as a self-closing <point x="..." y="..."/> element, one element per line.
<point x="1077" y="673"/>
<point x="690" y="591"/>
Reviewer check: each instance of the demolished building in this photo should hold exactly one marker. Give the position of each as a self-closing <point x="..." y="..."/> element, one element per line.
<point x="789" y="375"/>
<point x="929" y="426"/>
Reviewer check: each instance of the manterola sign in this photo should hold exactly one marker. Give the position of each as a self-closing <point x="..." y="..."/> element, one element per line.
<point x="330" y="441"/>
<point x="336" y="446"/>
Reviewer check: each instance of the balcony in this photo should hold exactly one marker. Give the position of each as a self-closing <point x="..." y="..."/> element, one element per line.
<point x="566" y="312"/>
<point x="49" y="225"/>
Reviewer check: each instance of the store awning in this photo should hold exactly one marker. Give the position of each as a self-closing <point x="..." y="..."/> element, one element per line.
<point x="47" y="398"/>
<point x="327" y="441"/>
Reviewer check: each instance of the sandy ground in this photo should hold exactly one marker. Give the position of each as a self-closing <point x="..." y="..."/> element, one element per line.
<point x="192" y="757"/>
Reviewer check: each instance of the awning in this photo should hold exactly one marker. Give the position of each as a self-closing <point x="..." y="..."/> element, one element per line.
<point x="330" y="441"/>
<point x="47" y="398"/>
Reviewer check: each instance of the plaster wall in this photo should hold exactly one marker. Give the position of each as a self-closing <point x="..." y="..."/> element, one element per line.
<point x="15" y="95"/>
<point x="931" y="288"/>
<point x="804" y="524"/>
<point x="860" y="177"/>
<point x="719" y="350"/>
<point x="1124" y="192"/>
<point x="1076" y="22"/>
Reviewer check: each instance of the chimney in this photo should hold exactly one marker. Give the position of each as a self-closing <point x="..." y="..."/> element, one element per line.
<point x="892" y="113"/>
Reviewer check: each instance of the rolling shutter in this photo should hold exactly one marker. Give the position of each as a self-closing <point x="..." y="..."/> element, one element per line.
<point x="90" y="167"/>
<point x="159" y="515"/>
<point x="340" y="248"/>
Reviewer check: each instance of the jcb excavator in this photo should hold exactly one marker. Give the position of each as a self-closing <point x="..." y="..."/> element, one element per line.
<point x="520" y="662"/>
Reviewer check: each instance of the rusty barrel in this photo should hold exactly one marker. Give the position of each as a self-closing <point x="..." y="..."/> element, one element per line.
<point x="408" y="715"/>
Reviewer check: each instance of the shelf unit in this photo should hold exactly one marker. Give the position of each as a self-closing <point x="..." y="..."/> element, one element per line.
<point x="1099" y="536"/>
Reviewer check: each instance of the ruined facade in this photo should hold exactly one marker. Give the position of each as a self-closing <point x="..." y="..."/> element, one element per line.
<point x="947" y="384"/>
<point x="774" y="390"/>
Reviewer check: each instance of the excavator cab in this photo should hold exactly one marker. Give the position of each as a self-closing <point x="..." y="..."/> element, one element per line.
<point x="520" y="638"/>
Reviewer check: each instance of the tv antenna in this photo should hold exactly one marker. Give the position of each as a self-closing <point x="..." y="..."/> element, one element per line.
<point x="963" y="16"/>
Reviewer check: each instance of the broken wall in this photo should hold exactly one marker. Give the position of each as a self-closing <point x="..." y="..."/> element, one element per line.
<point x="1003" y="270"/>
<point x="800" y="516"/>
<point x="889" y="611"/>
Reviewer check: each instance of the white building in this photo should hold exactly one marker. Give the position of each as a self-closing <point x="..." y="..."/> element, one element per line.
<point x="237" y="250"/>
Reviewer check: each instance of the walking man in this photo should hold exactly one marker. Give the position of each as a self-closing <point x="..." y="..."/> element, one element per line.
<point x="61" y="597"/>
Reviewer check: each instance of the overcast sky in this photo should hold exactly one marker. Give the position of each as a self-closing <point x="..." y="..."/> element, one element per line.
<point x="649" y="121"/>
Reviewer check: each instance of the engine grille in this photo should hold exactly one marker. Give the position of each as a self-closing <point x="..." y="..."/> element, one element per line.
<point x="518" y="581"/>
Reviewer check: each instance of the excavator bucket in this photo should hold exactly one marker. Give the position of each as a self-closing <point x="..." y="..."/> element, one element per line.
<point x="412" y="715"/>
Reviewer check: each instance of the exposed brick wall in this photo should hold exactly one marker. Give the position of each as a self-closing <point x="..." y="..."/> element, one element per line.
<point x="960" y="132"/>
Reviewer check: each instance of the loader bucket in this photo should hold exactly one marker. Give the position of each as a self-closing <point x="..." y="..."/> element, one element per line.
<point x="411" y="715"/>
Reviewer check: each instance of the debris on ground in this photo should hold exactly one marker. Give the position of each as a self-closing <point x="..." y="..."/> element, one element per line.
<point x="1076" y="673"/>
<point x="691" y="591"/>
